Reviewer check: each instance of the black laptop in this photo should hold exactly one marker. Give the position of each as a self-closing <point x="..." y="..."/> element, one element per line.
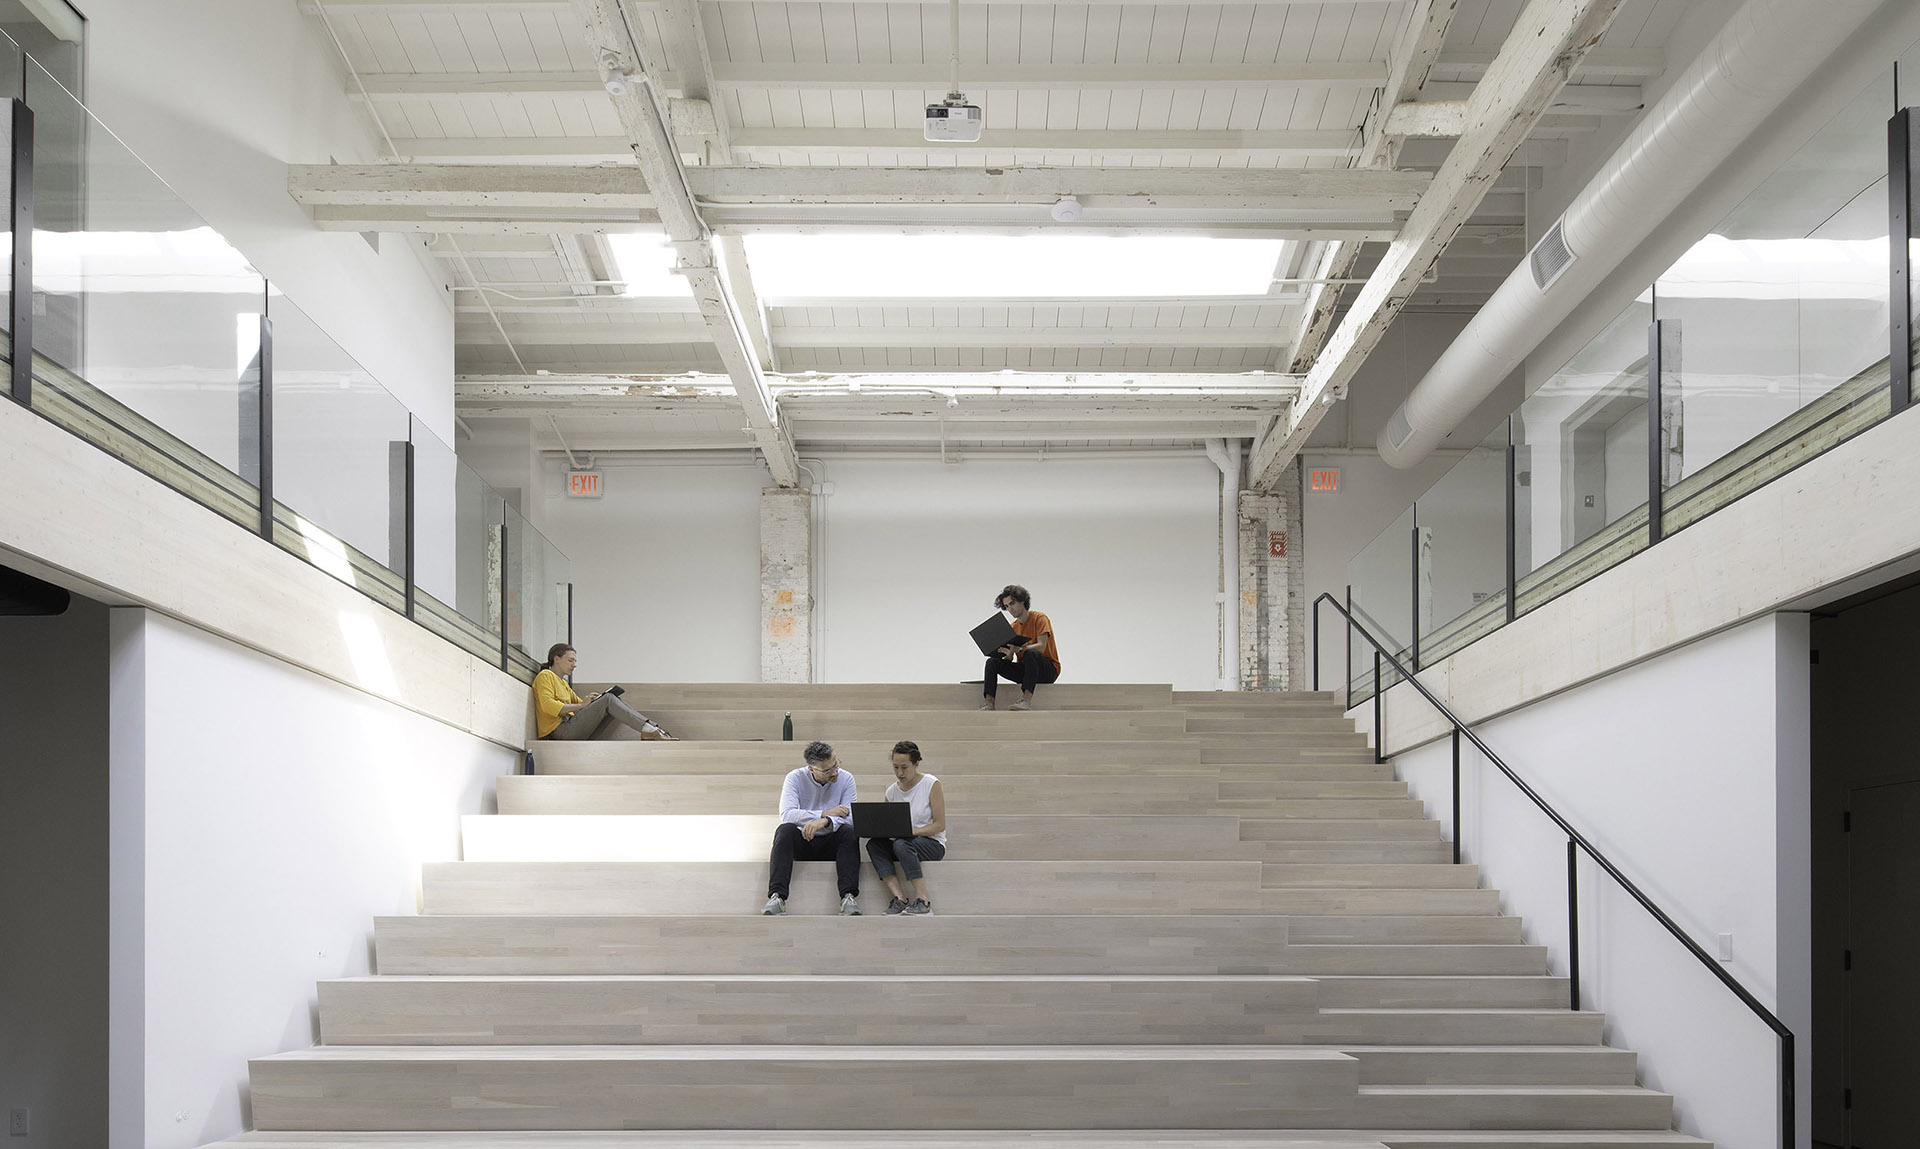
<point x="883" y="819"/>
<point x="995" y="633"/>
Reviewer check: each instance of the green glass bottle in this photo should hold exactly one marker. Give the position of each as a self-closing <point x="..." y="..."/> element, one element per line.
<point x="786" y="728"/>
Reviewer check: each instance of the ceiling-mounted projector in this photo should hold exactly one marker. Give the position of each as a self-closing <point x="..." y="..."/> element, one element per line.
<point x="954" y="123"/>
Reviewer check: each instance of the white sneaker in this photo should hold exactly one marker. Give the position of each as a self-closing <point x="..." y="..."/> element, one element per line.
<point x="775" y="905"/>
<point x="849" y="906"/>
<point x="985" y="706"/>
<point x="1023" y="704"/>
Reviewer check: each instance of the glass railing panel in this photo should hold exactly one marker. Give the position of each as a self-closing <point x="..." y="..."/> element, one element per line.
<point x="1774" y="328"/>
<point x="339" y="447"/>
<point x="1380" y="580"/>
<point x="456" y="547"/>
<point x="536" y="602"/>
<point x="1580" y="463"/>
<point x="146" y="321"/>
<point x="1463" y="549"/>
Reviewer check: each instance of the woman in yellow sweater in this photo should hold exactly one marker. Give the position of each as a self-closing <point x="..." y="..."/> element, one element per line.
<point x="563" y="716"/>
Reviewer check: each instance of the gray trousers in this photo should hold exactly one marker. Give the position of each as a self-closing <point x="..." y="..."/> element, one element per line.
<point x="597" y="719"/>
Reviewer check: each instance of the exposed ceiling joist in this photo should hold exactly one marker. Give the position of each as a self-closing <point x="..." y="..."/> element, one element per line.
<point x="1048" y="141"/>
<point x="654" y="149"/>
<point x="1520" y="85"/>
<point x="416" y="7"/>
<point x="547" y="333"/>
<point x="1409" y="64"/>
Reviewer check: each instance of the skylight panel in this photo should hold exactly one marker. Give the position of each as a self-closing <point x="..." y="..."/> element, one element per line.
<point x="1008" y="266"/>
<point x="645" y="265"/>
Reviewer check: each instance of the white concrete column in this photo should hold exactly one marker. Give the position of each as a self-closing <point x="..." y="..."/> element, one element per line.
<point x="1273" y="588"/>
<point x="786" y="590"/>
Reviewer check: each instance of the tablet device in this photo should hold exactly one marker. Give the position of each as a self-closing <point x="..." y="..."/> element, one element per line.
<point x="883" y="819"/>
<point x="616" y="690"/>
<point x="995" y="633"/>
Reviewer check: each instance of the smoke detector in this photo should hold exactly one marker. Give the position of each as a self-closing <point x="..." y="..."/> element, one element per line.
<point x="1066" y="211"/>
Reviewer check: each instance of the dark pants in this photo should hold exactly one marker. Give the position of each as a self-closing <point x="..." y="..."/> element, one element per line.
<point x="1033" y="669"/>
<point x="909" y="852"/>
<point x="842" y="846"/>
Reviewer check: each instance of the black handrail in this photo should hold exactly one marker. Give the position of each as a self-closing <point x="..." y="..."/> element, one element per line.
<point x="1574" y="839"/>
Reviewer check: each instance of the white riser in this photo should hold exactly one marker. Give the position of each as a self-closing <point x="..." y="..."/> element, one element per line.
<point x="792" y="1087"/>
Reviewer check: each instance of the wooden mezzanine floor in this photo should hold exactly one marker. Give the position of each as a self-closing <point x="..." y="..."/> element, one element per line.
<point x="1165" y="919"/>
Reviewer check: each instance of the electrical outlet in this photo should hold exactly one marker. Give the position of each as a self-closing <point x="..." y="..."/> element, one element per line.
<point x="19" y="1121"/>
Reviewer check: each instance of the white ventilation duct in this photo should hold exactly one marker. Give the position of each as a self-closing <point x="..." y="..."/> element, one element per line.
<point x="1225" y="454"/>
<point x="1766" y="51"/>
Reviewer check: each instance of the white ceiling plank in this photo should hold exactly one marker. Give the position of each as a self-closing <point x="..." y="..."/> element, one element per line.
<point x="1533" y="64"/>
<point x="1101" y="142"/>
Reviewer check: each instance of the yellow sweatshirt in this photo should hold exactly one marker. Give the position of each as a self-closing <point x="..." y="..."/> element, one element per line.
<point x="550" y="693"/>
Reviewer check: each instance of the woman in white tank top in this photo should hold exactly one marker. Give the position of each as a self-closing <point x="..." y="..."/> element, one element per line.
<point x="927" y="804"/>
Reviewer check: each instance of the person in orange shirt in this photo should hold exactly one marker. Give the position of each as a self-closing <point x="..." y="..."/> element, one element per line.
<point x="1031" y="661"/>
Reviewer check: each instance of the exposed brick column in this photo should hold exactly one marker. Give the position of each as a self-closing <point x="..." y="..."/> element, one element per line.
<point x="786" y="589"/>
<point x="1273" y="588"/>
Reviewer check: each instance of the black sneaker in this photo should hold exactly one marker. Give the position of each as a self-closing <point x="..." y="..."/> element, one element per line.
<point x="896" y="906"/>
<point x="919" y="906"/>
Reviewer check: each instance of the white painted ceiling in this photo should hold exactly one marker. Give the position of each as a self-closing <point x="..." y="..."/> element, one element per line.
<point x="515" y="85"/>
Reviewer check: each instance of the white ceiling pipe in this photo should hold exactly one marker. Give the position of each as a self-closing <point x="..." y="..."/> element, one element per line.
<point x="1766" y="51"/>
<point x="1225" y="454"/>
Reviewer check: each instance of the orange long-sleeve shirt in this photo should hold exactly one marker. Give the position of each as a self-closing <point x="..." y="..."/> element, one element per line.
<point x="1035" y="625"/>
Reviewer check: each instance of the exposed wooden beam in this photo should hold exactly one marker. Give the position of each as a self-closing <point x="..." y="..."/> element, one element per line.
<point x="931" y="77"/>
<point x="1520" y="85"/>
<point x="1622" y="63"/>
<point x="654" y="149"/>
<point x="626" y="331"/>
<point x="1055" y="140"/>
<point x="1409" y="63"/>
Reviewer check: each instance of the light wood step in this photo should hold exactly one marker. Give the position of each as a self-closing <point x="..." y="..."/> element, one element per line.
<point x="1259" y="748"/>
<point x="1275" y="699"/>
<point x="1352" y="991"/>
<point x="811" y="1009"/>
<point x="867" y="756"/>
<point x="1459" y="1026"/>
<point x="820" y="1087"/>
<point x="1320" y="809"/>
<point x="935" y="725"/>
<point x="1493" y="1064"/>
<point x="1323" y="852"/>
<point x="785" y="696"/>
<point x="1061" y="795"/>
<point x="735" y="888"/>
<point x="1335" y="875"/>
<point x="1255" y="828"/>
<point x="1514" y="1107"/>
<point x="700" y="838"/>
<point x="1265" y="784"/>
<point x="1375" y="959"/>
<point x="997" y="1139"/>
<point x="942" y="944"/>
<point x="1280" y="725"/>
<point x="1403" y="929"/>
<point x="1379" y="901"/>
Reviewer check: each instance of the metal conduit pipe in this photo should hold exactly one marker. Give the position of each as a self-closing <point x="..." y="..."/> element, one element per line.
<point x="1768" y="49"/>
<point x="1225" y="454"/>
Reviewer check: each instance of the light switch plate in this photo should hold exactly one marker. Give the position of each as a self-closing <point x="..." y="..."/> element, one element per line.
<point x="1726" y="947"/>
<point x="19" y="1121"/>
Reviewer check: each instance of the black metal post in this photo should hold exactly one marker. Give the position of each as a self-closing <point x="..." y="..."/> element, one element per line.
<point x="1379" y="729"/>
<point x="1573" y="925"/>
<point x="20" y="191"/>
<point x="1899" y="189"/>
<point x="263" y="476"/>
<point x="505" y="584"/>
<point x="1513" y="510"/>
<point x="1414" y="566"/>
<point x="570" y="614"/>
<point x="1656" y="441"/>
<point x="1315" y="626"/>
<point x="410" y="524"/>
<point x="1456" y="795"/>
<point x="1348" y="684"/>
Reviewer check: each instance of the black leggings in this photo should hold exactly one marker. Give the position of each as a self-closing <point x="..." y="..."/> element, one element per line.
<point x="1033" y="669"/>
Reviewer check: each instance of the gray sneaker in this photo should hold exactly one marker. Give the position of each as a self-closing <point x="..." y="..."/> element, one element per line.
<point x="896" y="906"/>
<point x="775" y="905"/>
<point x="918" y="906"/>
<point x="849" y="906"/>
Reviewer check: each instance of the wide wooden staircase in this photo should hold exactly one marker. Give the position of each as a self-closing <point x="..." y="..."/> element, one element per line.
<point x="1165" y="919"/>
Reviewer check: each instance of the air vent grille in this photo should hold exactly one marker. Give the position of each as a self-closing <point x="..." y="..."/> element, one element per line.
<point x="1398" y="429"/>
<point x="1550" y="256"/>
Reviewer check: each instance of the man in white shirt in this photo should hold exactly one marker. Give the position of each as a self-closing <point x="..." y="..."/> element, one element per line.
<point x="816" y="823"/>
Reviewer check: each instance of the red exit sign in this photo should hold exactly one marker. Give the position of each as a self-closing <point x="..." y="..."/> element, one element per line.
<point x="1326" y="481"/>
<point x="583" y="484"/>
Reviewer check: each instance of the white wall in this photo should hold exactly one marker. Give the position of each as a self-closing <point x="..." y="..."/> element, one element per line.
<point x="262" y="816"/>
<point x="666" y="570"/>
<point x="53" y="875"/>
<point x="1122" y="555"/>
<point x="219" y="96"/>
<point x="1690" y="772"/>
